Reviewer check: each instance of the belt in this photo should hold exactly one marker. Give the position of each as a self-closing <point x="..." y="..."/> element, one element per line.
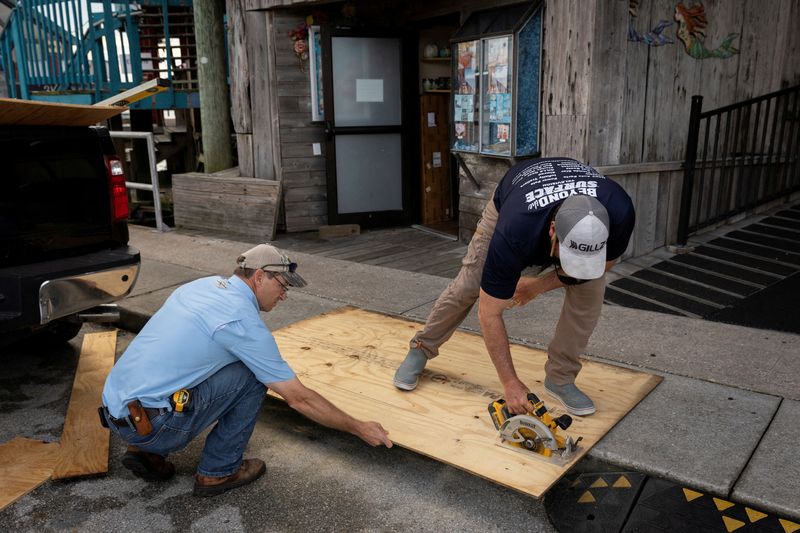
<point x="151" y="412"/>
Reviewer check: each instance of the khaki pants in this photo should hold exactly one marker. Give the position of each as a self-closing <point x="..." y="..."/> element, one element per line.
<point x="579" y="314"/>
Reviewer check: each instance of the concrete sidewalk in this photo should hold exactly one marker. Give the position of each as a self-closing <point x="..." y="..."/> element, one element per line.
<point x="725" y="420"/>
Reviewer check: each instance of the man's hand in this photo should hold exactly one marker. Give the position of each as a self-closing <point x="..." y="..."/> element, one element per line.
<point x="517" y="397"/>
<point x="318" y="409"/>
<point x="373" y="434"/>
<point x="529" y="288"/>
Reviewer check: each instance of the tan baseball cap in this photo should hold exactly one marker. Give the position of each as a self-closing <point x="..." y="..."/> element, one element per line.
<point x="267" y="257"/>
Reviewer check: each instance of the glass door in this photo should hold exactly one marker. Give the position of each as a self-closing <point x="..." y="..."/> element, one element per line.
<point x="364" y="128"/>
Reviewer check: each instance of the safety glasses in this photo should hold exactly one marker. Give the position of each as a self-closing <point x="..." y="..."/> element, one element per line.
<point x="290" y="267"/>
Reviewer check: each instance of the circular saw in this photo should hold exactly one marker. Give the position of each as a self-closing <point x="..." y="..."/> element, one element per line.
<point x="537" y="431"/>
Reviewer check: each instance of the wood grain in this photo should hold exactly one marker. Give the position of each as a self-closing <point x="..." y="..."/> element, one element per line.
<point x="24" y="465"/>
<point x="241" y="207"/>
<point x="84" y="442"/>
<point x="350" y="356"/>
<point x="29" y="113"/>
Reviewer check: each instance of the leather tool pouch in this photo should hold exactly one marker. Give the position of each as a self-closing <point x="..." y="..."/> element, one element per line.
<point x="101" y="411"/>
<point x="139" y="418"/>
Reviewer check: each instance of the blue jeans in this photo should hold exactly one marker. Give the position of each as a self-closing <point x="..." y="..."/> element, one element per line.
<point x="232" y="397"/>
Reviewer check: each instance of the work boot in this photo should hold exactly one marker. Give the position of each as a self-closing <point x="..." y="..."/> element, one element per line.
<point x="149" y="466"/>
<point x="407" y="375"/>
<point x="251" y="470"/>
<point x="571" y="397"/>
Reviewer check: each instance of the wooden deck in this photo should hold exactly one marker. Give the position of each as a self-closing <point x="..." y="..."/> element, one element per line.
<point x="409" y="249"/>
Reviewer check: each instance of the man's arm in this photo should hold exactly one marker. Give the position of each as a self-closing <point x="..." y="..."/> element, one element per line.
<point x="320" y="410"/>
<point x="529" y="287"/>
<point x="490" y="313"/>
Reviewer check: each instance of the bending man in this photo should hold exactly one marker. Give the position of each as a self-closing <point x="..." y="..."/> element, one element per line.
<point x="544" y="212"/>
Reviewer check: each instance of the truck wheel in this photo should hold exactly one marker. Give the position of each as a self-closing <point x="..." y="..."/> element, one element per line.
<point x="58" y="332"/>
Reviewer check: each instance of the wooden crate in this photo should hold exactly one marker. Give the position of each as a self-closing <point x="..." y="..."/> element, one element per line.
<point x="239" y="207"/>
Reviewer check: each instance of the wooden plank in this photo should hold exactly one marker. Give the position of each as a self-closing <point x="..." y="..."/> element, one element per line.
<point x="244" y="147"/>
<point x="240" y="83"/>
<point x="606" y="96"/>
<point x="24" y="465"/>
<point x="350" y="356"/>
<point x="84" y="442"/>
<point x="261" y="92"/>
<point x="566" y="78"/>
<point x="242" y="207"/>
<point x="564" y="134"/>
<point x="16" y="112"/>
<point x="636" y="168"/>
<point x="647" y="202"/>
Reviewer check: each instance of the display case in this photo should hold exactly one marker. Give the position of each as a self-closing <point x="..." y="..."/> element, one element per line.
<point x="496" y="70"/>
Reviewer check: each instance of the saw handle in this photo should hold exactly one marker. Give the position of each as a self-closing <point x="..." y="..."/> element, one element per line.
<point x="563" y="421"/>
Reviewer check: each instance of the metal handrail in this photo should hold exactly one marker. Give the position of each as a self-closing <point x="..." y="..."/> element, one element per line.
<point x="757" y="141"/>
<point x="151" y="157"/>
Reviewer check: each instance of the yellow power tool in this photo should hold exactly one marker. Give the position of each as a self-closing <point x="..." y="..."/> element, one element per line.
<point x="537" y="431"/>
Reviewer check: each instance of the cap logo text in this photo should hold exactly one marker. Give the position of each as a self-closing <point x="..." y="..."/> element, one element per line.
<point x="583" y="247"/>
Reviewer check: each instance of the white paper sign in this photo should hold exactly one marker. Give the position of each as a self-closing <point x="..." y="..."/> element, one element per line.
<point x="369" y="90"/>
<point x="432" y="119"/>
<point x="437" y="159"/>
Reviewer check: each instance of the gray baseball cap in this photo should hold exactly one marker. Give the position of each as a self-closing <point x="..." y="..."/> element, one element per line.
<point x="582" y="229"/>
<point x="267" y="257"/>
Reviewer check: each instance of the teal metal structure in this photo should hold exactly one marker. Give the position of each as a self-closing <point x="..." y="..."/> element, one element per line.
<point x="84" y="51"/>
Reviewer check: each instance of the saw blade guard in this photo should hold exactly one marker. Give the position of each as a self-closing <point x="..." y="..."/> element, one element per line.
<point x="513" y="430"/>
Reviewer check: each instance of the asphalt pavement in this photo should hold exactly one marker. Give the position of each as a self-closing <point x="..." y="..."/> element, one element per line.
<point x="725" y="419"/>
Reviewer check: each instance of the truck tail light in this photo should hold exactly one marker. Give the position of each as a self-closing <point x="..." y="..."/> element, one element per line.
<point x="116" y="184"/>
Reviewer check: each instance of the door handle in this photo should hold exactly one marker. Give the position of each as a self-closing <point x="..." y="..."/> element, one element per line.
<point x="329" y="130"/>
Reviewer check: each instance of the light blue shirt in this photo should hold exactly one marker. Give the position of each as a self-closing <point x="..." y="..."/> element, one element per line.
<point x="203" y="326"/>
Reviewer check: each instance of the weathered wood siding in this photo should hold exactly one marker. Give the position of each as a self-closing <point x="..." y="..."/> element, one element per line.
<point x="302" y="173"/>
<point x="640" y="96"/>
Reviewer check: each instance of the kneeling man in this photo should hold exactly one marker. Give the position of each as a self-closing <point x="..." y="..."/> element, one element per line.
<point x="205" y="357"/>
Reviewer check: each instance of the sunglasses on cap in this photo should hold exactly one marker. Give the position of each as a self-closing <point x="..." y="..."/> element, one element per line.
<point x="290" y="267"/>
<point x="563" y="278"/>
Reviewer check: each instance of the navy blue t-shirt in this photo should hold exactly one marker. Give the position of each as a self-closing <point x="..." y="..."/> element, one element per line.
<point x="526" y="199"/>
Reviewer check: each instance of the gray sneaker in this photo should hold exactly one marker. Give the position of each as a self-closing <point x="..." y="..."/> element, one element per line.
<point x="407" y="375"/>
<point x="571" y="397"/>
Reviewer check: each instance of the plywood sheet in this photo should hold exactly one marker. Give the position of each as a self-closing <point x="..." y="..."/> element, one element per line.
<point x="350" y="356"/>
<point x="84" y="442"/>
<point x="24" y="465"/>
<point x="30" y="113"/>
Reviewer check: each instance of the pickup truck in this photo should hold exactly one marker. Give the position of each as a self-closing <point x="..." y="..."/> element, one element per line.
<point x="64" y="251"/>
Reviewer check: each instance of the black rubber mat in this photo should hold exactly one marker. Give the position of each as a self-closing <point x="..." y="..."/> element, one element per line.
<point x="754" y="249"/>
<point x="685" y="287"/>
<point x="773" y="308"/>
<point x="779" y="244"/>
<point x="782" y="222"/>
<point x="733" y="257"/>
<point x="754" y="272"/>
<point x="728" y="270"/>
<point x="610" y="500"/>
<point x="665" y="506"/>
<point x="772" y="231"/>
<point x="705" y="277"/>
<point x="667" y="297"/>
<point x="626" y="300"/>
<point x="592" y="502"/>
<point x="789" y="213"/>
